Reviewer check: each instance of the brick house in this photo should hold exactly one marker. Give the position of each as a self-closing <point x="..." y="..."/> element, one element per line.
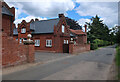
<point x="53" y="35"/>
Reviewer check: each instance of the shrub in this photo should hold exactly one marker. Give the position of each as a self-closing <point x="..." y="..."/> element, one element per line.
<point x="93" y="46"/>
<point x="101" y="43"/>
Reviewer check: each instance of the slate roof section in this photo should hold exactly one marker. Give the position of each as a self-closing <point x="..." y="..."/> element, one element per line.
<point x="15" y="31"/>
<point x="44" y="26"/>
<point x="6" y="11"/>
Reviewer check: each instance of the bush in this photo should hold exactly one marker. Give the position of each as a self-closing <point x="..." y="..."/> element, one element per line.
<point x="101" y="43"/>
<point x="93" y="46"/>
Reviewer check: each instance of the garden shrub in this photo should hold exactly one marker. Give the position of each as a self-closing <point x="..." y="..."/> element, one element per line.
<point x="93" y="46"/>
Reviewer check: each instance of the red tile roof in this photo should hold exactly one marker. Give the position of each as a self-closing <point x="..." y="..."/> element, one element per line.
<point x="78" y="32"/>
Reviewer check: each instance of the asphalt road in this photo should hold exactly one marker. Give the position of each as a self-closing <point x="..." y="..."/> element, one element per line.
<point x="93" y="65"/>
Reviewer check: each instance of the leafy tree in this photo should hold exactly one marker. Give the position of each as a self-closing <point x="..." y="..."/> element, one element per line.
<point x="73" y="24"/>
<point x="118" y="35"/>
<point x="97" y="30"/>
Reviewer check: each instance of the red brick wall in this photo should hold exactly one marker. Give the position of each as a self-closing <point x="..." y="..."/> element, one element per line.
<point x="12" y="52"/>
<point x="15" y="37"/>
<point x="79" y="48"/>
<point x="82" y="39"/>
<point x="6" y="24"/>
<point x="57" y="42"/>
<point x="42" y="38"/>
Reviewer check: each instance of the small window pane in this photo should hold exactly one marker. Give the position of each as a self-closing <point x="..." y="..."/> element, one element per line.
<point x="23" y="30"/>
<point x="63" y="28"/>
<point x="48" y="43"/>
<point x="37" y="42"/>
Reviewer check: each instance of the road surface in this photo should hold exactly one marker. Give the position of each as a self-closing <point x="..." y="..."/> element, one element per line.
<point x="93" y="65"/>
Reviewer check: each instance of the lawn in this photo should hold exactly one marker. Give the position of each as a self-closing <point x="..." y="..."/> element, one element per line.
<point x="118" y="60"/>
<point x="118" y="56"/>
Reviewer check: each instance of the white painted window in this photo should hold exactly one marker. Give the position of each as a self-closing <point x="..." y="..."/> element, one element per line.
<point x="23" y="30"/>
<point x="49" y="43"/>
<point x="63" y="28"/>
<point x="37" y="42"/>
<point x="65" y="41"/>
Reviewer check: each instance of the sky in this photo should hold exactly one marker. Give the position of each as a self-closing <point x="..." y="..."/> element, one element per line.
<point x="79" y="10"/>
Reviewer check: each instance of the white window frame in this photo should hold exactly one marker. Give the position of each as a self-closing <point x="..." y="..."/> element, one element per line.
<point x="66" y="42"/>
<point x="49" y="43"/>
<point x="20" y="40"/>
<point x="37" y="42"/>
<point x="23" y="30"/>
<point x="63" y="28"/>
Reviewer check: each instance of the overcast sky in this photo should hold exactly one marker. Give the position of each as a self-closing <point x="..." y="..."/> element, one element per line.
<point x="75" y="9"/>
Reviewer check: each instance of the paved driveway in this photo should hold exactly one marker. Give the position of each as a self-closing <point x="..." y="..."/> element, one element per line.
<point x="93" y="65"/>
<point x="46" y="56"/>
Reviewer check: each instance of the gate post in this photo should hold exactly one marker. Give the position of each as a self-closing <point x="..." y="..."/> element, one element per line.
<point x="30" y="49"/>
<point x="71" y="45"/>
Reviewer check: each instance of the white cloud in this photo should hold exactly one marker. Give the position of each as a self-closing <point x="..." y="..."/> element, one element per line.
<point x="82" y="21"/>
<point x="96" y="0"/>
<point x="27" y="19"/>
<point x="40" y="8"/>
<point x="106" y="10"/>
<point x="44" y="8"/>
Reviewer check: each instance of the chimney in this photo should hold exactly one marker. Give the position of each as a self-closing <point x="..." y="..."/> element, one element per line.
<point x="61" y="15"/>
<point x="36" y="19"/>
<point x="85" y="28"/>
<point x="13" y="11"/>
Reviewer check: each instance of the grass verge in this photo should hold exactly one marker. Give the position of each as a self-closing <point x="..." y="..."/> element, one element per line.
<point x="118" y="60"/>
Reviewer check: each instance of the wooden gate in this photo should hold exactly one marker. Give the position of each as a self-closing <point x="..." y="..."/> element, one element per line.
<point x="65" y="48"/>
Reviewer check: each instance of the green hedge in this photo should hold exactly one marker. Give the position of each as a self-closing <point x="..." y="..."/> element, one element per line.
<point x="99" y="43"/>
<point x="93" y="46"/>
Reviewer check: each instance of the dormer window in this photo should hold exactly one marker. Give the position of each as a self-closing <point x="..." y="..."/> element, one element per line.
<point x="23" y="30"/>
<point x="63" y="28"/>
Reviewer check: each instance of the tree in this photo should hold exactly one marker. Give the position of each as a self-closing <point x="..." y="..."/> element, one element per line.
<point x="73" y="24"/>
<point x="118" y="35"/>
<point x="98" y="30"/>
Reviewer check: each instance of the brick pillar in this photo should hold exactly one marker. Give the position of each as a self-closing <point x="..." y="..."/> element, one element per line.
<point x="30" y="53"/>
<point x="30" y="50"/>
<point x="71" y="45"/>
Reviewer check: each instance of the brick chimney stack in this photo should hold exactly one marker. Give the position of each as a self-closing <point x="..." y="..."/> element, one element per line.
<point x="61" y="15"/>
<point x="13" y="12"/>
<point x="85" y="28"/>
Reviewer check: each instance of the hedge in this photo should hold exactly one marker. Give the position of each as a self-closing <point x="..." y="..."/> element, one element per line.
<point x="93" y="46"/>
<point x="99" y="43"/>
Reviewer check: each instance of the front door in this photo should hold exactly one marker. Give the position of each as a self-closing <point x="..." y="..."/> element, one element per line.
<point x="66" y="46"/>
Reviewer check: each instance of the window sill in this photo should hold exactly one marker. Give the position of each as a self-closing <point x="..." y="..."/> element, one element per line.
<point x="48" y="46"/>
<point x="37" y="46"/>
